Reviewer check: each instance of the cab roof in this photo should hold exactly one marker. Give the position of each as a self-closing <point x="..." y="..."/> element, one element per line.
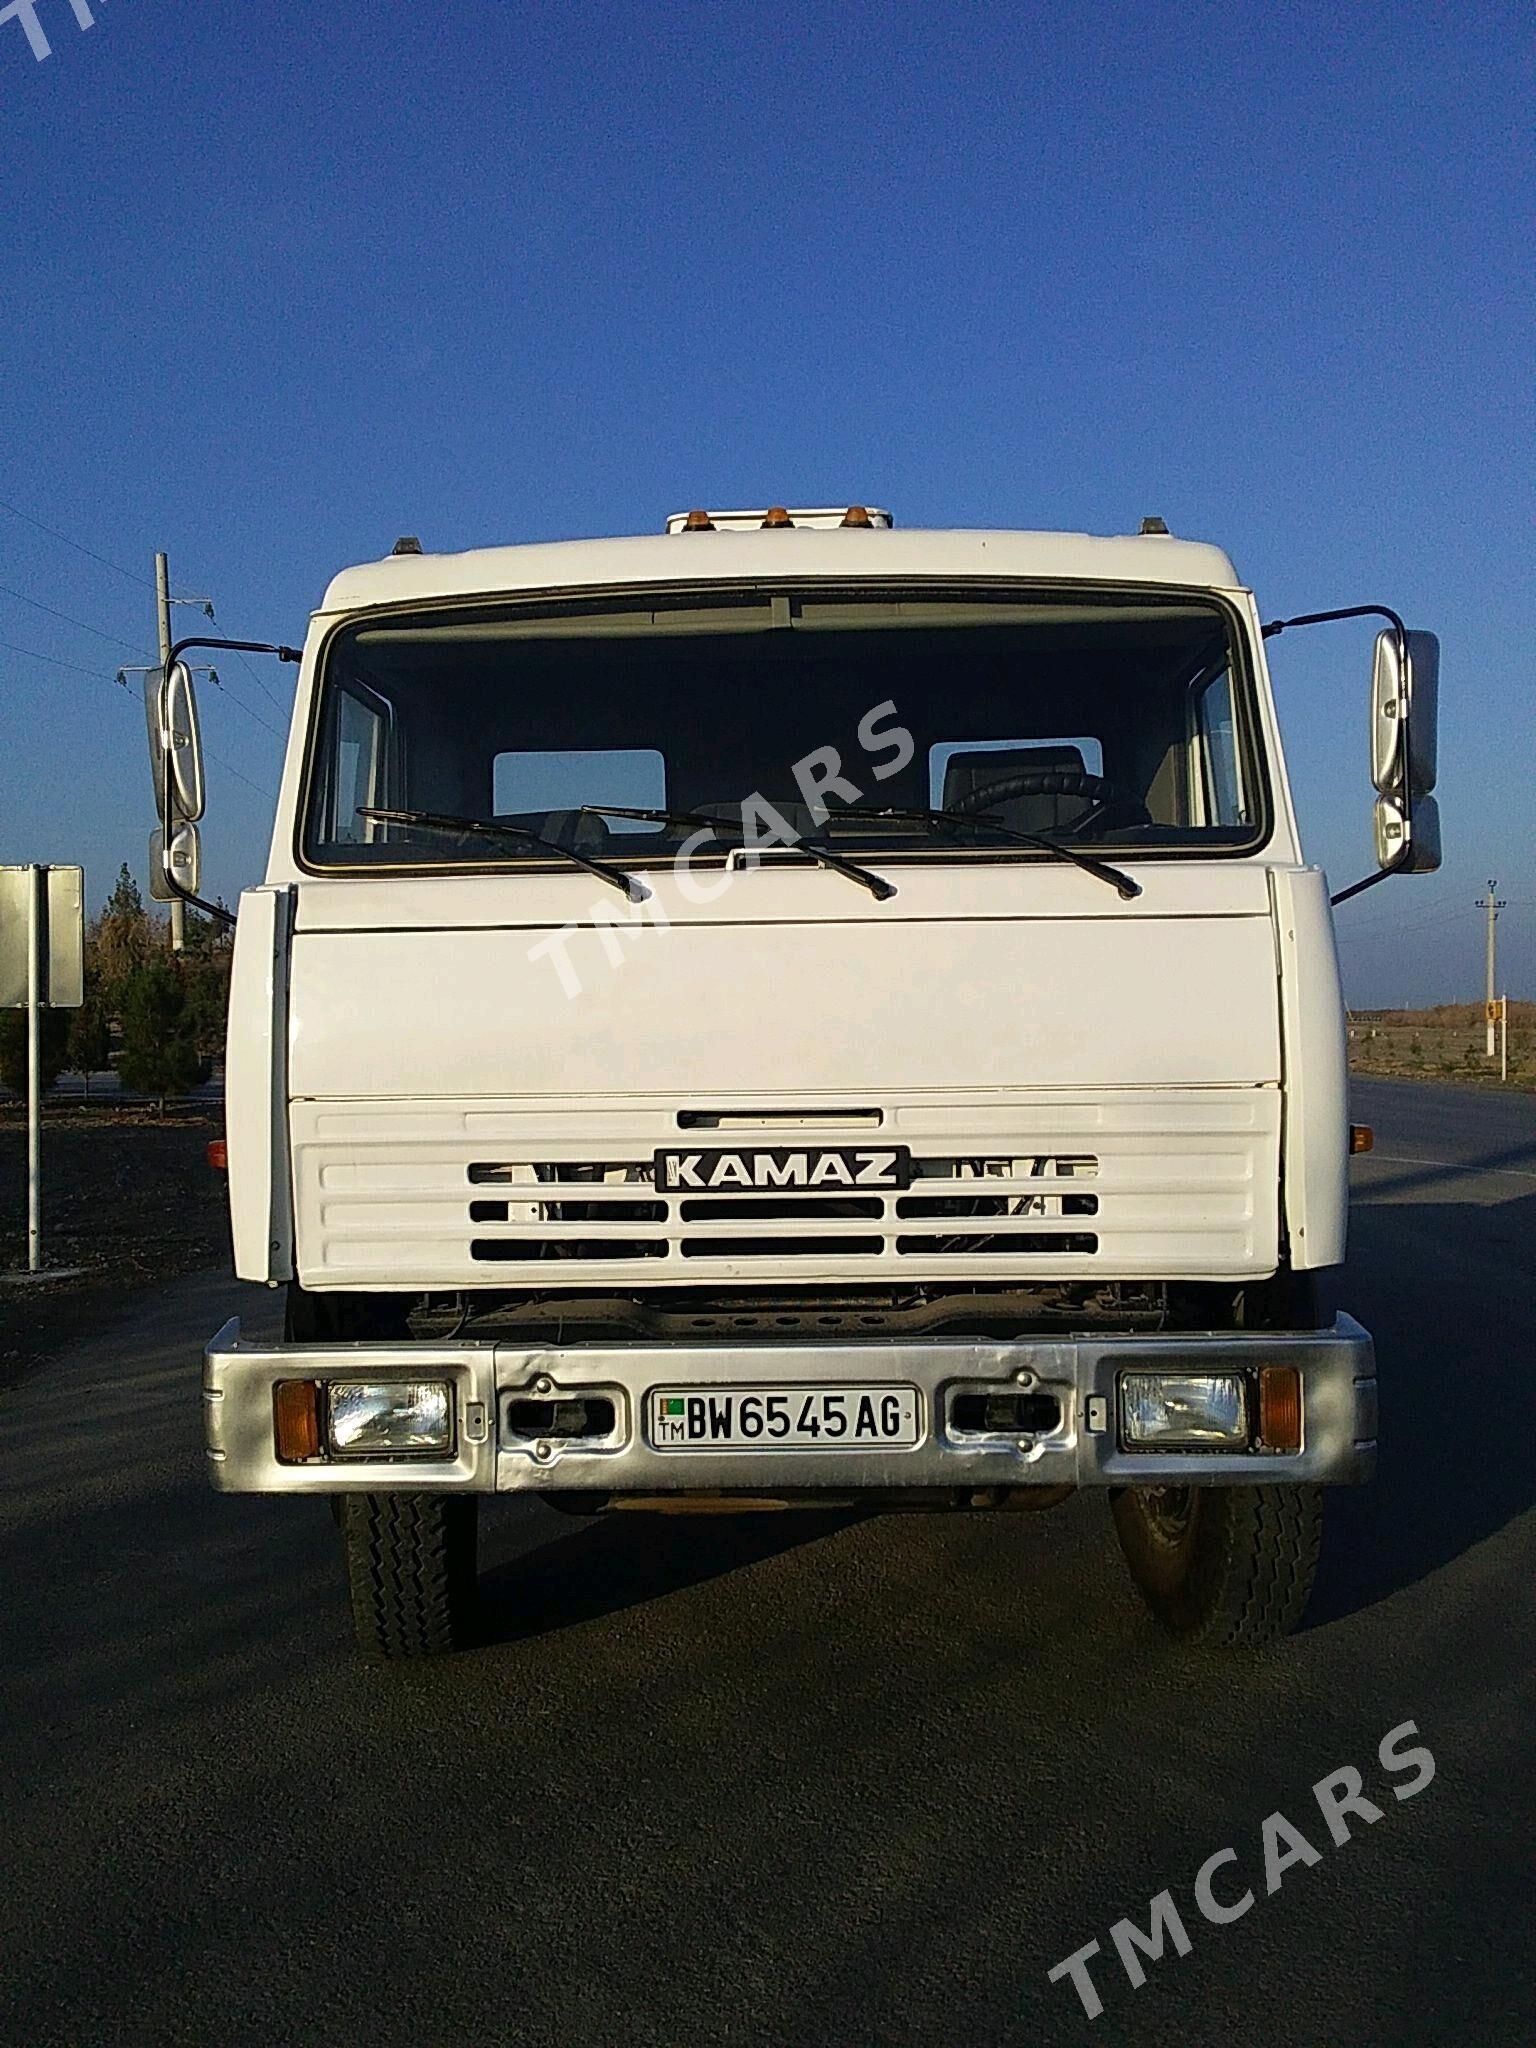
<point x="656" y="561"/>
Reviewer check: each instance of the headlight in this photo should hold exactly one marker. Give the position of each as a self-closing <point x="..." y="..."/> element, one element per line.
<point x="1184" y="1411"/>
<point x="406" y="1415"/>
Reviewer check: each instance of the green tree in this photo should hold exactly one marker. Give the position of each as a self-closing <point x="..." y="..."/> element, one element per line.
<point x="160" y="1055"/>
<point x="13" y="1048"/>
<point x="121" y="940"/>
<point x="205" y="974"/>
<point x="88" y="1048"/>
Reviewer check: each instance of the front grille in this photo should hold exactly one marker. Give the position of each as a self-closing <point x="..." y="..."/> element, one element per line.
<point x="540" y="1193"/>
<point x="767" y="1224"/>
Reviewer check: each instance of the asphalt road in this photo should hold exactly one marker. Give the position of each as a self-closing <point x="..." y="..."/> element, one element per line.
<point x="761" y="1782"/>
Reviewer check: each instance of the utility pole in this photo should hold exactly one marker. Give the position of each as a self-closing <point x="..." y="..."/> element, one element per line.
<point x="1493" y="905"/>
<point x="163" y="619"/>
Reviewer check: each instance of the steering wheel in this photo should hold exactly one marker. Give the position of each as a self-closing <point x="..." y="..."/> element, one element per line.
<point x="1102" y="799"/>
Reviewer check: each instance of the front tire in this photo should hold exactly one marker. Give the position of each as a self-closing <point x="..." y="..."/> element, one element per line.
<point x="1225" y="1567"/>
<point x="410" y="1562"/>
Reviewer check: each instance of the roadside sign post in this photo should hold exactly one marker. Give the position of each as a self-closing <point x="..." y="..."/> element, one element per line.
<point x="42" y="965"/>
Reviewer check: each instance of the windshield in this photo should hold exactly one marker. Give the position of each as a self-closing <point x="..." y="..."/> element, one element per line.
<point x="940" y="727"/>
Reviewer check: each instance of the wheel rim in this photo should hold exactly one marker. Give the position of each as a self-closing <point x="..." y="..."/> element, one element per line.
<point x="1169" y="1512"/>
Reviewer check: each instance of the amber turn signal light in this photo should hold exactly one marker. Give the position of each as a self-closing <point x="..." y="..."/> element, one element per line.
<point x="1361" y="1138"/>
<point x="296" y="1420"/>
<point x="1279" y="1408"/>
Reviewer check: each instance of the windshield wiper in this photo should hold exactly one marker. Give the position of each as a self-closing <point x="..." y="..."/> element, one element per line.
<point x="441" y="821"/>
<point x="875" y="884"/>
<point x="1089" y="863"/>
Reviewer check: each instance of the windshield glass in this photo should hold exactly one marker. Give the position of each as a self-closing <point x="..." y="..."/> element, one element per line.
<point x="934" y="726"/>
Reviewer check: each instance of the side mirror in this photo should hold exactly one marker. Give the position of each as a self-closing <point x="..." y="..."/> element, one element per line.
<point x="183" y="859"/>
<point x="175" y="748"/>
<point x="1405" y="703"/>
<point x="1421" y="835"/>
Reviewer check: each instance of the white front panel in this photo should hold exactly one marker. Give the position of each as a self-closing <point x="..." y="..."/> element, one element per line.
<point x="1316" y="1072"/>
<point x="1009" y="1186"/>
<point x="859" y="1009"/>
<point x="256" y="1088"/>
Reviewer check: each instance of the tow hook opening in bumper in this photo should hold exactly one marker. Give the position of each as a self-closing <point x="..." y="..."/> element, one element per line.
<point x="981" y="1412"/>
<point x="566" y="1420"/>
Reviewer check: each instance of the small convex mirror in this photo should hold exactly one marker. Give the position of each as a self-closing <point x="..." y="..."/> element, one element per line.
<point x="175" y="744"/>
<point x="1422" y="835"/>
<point x="183" y="859"/>
<point x="1405" y="705"/>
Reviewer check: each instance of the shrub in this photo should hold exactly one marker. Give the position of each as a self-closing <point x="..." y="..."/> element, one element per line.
<point x="160" y="1055"/>
<point x="13" y="1047"/>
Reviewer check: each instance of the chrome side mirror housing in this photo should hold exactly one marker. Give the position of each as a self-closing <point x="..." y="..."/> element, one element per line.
<point x="182" y="858"/>
<point x="176" y="748"/>
<point x="1405" y="704"/>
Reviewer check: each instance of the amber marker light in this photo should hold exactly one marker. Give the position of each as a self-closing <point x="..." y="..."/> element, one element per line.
<point x="1361" y="1138"/>
<point x="777" y="516"/>
<point x="857" y="515"/>
<point x="296" y="1420"/>
<point x="698" y="522"/>
<point x="1279" y="1408"/>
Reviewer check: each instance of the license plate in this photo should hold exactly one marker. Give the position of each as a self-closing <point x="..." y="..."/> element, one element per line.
<point x="783" y="1418"/>
<point x="820" y="1169"/>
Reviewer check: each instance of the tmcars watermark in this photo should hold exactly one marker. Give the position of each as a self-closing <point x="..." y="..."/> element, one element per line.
<point x="817" y="775"/>
<point x="29" y="14"/>
<point x="1340" y="1800"/>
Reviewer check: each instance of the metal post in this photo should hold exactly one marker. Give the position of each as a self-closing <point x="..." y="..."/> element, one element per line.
<point x="163" y="618"/>
<point x="35" y="1070"/>
<point x="1493" y="905"/>
<point x="1491" y="949"/>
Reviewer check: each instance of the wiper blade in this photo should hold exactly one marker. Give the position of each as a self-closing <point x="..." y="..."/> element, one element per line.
<point x="444" y="821"/>
<point x="875" y="884"/>
<point x="1117" y="878"/>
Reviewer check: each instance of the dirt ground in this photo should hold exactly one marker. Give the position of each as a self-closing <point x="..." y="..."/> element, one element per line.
<point x="129" y="1198"/>
<point x="1426" y="1053"/>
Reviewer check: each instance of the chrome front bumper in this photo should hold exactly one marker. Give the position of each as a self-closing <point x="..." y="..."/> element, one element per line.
<point x="1337" y="1370"/>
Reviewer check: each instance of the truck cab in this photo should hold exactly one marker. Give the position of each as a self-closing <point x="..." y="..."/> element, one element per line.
<point x="792" y="1011"/>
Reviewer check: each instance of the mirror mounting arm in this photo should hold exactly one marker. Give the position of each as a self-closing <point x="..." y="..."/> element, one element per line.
<point x="213" y="910"/>
<point x="255" y="647"/>
<point x="1353" y="611"/>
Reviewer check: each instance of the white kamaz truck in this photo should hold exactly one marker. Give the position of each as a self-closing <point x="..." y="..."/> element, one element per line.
<point x="790" y="1012"/>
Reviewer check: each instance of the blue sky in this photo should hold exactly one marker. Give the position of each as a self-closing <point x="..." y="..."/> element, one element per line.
<point x="279" y="283"/>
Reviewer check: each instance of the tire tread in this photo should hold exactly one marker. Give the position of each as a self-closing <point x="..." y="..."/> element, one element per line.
<point x="410" y="1562"/>
<point x="1248" y="1571"/>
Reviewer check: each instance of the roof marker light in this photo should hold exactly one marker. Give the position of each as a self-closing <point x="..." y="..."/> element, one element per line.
<point x="777" y="516"/>
<point x="407" y="544"/>
<point x="698" y="522"/>
<point x="857" y="515"/>
<point x="1154" y="525"/>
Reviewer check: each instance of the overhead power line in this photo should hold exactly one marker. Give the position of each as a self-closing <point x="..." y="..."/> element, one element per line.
<point x="116" y="639"/>
<point x="27" y="654"/>
<point x="79" y="546"/>
<point x="82" y="625"/>
<point x="225" y="691"/>
<point x="275" y="701"/>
